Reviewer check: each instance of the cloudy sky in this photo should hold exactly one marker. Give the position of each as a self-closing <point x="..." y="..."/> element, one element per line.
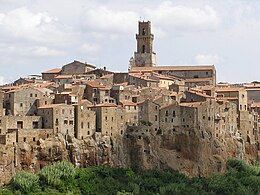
<point x="37" y="35"/>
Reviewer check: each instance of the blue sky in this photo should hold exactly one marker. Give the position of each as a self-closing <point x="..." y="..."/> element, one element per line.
<point x="37" y="35"/>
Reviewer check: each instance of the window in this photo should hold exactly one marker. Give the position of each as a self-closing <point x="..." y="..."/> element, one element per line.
<point x="34" y="139"/>
<point x="35" y="95"/>
<point x="21" y="104"/>
<point x="88" y="125"/>
<point x="166" y="113"/>
<point x="82" y="125"/>
<point x="88" y="132"/>
<point x="156" y="118"/>
<point x="63" y="111"/>
<point x="71" y="122"/>
<point x="57" y="121"/>
<point x="24" y="139"/>
<point x="143" y="49"/>
<point x="35" y="125"/>
<point x="31" y="95"/>
<point x="65" y="122"/>
<point x="19" y="124"/>
<point x="173" y="114"/>
<point x="143" y="31"/>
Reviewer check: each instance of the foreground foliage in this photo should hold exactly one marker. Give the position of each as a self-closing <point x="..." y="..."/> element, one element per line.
<point x="63" y="178"/>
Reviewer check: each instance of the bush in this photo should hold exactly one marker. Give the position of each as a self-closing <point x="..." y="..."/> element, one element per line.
<point x="54" y="174"/>
<point x="25" y="182"/>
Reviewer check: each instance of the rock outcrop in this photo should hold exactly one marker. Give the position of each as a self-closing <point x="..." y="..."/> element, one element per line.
<point x="189" y="153"/>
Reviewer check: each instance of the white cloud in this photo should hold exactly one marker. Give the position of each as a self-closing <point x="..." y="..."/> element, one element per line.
<point x="39" y="27"/>
<point x="207" y="59"/>
<point x="2" y="80"/>
<point x="42" y="51"/>
<point x="30" y="51"/>
<point x="183" y="17"/>
<point x="88" y="47"/>
<point x="108" y="20"/>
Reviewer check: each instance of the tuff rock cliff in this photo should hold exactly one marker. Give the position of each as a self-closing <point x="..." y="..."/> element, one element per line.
<point x="188" y="153"/>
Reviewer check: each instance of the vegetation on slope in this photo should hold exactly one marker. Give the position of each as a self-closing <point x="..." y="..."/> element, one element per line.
<point x="63" y="178"/>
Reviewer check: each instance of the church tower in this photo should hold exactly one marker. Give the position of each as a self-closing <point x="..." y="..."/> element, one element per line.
<point x="144" y="56"/>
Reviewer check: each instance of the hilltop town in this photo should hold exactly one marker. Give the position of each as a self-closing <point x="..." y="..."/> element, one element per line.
<point x="152" y="116"/>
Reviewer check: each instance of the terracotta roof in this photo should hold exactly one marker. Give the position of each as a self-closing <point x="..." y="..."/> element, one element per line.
<point x="141" y="101"/>
<point x="191" y="104"/>
<point x="105" y="105"/>
<point x="50" y="106"/>
<point x="228" y="89"/>
<point x="227" y="98"/>
<point x="107" y="76"/>
<point x="255" y="104"/>
<point x="94" y="84"/>
<point x="202" y="94"/>
<point x="126" y="103"/>
<point x="174" y="68"/>
<point x="64" y="77"/>
<point x="53" y="71"/>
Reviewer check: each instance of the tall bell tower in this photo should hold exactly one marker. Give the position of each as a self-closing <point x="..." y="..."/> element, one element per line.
<point x="144" y="56"/>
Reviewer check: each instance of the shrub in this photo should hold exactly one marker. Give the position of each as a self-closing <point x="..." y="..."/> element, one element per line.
<point x="54" y="174"/>
<point x="25" y="182"/>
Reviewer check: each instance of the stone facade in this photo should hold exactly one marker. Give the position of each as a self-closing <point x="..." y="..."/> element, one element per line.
<point x="76" y="67"/>
<point x="23" y="101"/>
<point x="59" y="117"/>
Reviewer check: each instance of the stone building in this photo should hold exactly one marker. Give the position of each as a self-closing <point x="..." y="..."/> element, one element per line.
<point x="144" y="62"/>
<point x="63" y="79"/>
<point x="121" y="93"/>
<point x="59" y="117"/>
<point x="85" y="120"/>
<point x="96" y="93"/>
<point x="66" y="98"/>
<point x="236" y="95"/>
<point x="22" y="101"/>
<point x="131" y="113"/>
<point x="170" y="118"/>
<point x="51" y="74"/>
<point x="76" y="68"/>
<point x="149" y="114"/>
<point x="106" y="118"/>
<point x="142" y="80"/>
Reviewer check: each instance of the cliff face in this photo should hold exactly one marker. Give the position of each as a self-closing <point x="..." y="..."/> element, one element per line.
<point x="188" y="153"/>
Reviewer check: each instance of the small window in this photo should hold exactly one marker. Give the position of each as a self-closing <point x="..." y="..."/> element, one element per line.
<point x="173" y="114"/>
<point x="34" y="139"/>
<point x="21" y="104"/>
<point x="35" y="95"/>
<point x="31" y="95"/>
<point x="143" y="49"/>
<point x="24" y="139"/>
<point x="143" y="31"/>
